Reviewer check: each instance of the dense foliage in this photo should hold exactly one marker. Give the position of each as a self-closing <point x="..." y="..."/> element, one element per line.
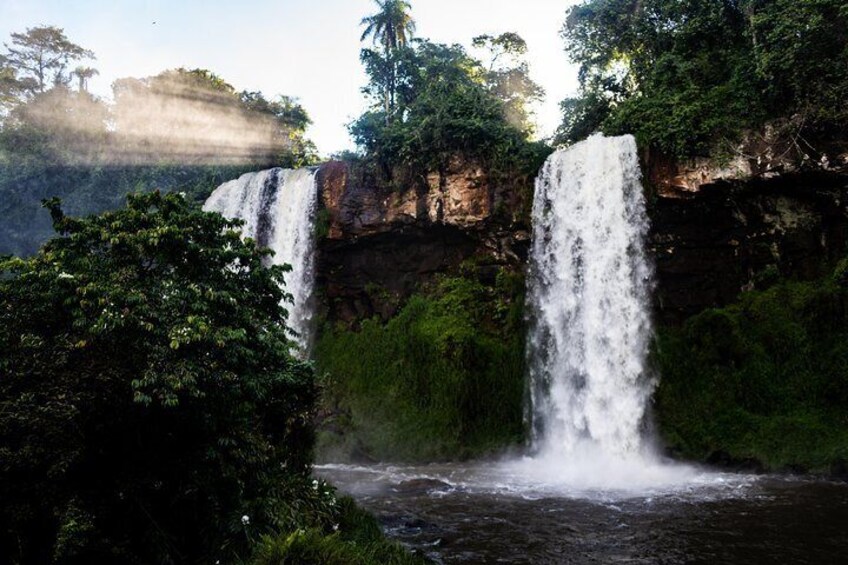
<point x="434" y="104"/>
<point x="182" y="130"/>
<point x="685" y="75"/>
<point x="150" y="409"/>
<point x="358" y="540"/>
<point x="763" y="380"/>
<point x="443" y="379"/>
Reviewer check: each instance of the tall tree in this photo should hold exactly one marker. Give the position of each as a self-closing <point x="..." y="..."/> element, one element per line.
<point x="41" y="57"/>
<point x="391" y="28"/>
<point x="508" y="76"/>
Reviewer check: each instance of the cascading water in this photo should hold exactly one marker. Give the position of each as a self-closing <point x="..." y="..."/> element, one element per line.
<point x="589" y="289"/>
<point x="589" y="292"/>
<point x="278" y="207"/>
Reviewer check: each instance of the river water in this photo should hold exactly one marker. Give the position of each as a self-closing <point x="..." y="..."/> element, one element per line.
<point x="477" y="513"/>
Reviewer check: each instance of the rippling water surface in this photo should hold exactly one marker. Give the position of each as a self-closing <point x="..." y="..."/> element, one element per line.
<point x="500" y="513"/>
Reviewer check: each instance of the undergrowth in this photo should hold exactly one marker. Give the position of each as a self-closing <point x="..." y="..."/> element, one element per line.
<point x="763" y="380"/>
<point x="441" y="380"/>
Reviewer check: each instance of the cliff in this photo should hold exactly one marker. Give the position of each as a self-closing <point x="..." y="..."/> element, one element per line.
<point x="716" y="231"/>
<point x="380" y="245"/>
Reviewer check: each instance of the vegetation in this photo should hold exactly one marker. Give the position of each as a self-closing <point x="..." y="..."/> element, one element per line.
<point x="150" y="408"/>
<point x="391" y="27"/>
<point x="358" y="541"/>
<point x="182" y="130"/>
<point x="444" y="379"/>
<point x="434" y="104"/>
<point x="763" y="380"/>
<point x="684" y="76"/>
<point x="39" y="59"/>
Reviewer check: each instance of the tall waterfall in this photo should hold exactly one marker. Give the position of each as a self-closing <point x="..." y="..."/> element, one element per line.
<point x="278" y="207"/>
<point x="589" y="300"/>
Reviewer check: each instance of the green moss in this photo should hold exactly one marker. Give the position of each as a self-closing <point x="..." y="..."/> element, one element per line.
<point x="441" y="380"/>
<point x="322" y="224"/>
<point x="763" y="379"/>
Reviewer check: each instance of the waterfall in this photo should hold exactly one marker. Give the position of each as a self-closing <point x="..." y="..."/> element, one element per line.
<point x="589" y="290"/>
<point x="278" y="207"/>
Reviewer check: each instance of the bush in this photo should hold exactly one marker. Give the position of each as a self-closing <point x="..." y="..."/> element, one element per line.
<point x="357" y="541"/>
<point x="150" y="409"/>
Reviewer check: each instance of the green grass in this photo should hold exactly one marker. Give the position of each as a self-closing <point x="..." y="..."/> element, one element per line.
<point x="443" y="379"/>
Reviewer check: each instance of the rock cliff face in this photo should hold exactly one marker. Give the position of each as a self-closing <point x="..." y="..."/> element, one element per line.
<point x="716" y="231"/>
<point x="719" y="228"/>
<point x="380" y="245"/>
<point x="731" y="236"/>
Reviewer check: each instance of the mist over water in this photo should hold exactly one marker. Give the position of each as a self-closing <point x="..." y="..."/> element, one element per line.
<point x="278" y="207"/>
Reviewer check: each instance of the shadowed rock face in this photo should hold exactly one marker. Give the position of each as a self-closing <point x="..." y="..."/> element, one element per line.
<point x="381" y="245"/>
<point x="710" y="241"/>
<point x="731" y="237"/>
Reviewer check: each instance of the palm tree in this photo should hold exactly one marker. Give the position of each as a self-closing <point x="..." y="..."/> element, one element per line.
<point x="391" y="27"/>
<point x="83" y="74"/>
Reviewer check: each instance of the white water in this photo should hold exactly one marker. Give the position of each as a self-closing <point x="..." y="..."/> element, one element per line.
<point x="278" y="207"/>
<point x="589" y="289"/>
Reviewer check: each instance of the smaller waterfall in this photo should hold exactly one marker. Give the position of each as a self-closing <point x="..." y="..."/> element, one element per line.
<point x="278" y="207"/>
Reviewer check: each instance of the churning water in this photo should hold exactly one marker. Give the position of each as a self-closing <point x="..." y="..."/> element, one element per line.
<point x="278" y="207"/>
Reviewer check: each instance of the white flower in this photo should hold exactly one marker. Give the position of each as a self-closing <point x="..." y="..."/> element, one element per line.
<point x="64" y="275"/>
<point x="245" y="520"/>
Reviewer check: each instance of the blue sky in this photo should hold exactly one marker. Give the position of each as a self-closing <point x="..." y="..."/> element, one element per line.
<point x="303" y="48"/>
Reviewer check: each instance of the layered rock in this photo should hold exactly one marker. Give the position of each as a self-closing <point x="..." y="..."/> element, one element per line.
<point x="382" y="243"/>
<point x="716" y="232"/>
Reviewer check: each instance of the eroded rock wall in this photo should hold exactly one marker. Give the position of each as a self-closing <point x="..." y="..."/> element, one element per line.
<point x="381" y="244"/>
<point x="730" y="236"/>
<point x="711" y="239"/>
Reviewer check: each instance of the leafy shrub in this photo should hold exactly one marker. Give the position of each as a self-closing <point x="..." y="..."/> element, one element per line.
<point x="150" y="409"/>
<point x="763" y="379"/>
<point x="357" y="541"/>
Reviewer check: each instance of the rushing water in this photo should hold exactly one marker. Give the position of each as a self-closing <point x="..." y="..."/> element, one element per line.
<point x="278" y="207"/>
<point x="468" y="514"/>
<point x="589" y="286"/>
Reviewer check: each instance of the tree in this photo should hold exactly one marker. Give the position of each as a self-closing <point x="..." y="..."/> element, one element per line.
<point x="150" y="408"/>
<point x="508" y="76"/>
<point x="83" y="74"/>
<point x="391" y="27"/>
<point x="685" y="74"/>
<point x="194" y="115"/>
<point x="41" y="56"/>
<point x="446" y="111"/>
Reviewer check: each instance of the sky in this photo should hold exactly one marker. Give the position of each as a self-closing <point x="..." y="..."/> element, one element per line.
<point x="308" y="49"/>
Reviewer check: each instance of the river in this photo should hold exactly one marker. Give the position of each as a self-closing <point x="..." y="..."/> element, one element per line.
<point x="470" y="513"/>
